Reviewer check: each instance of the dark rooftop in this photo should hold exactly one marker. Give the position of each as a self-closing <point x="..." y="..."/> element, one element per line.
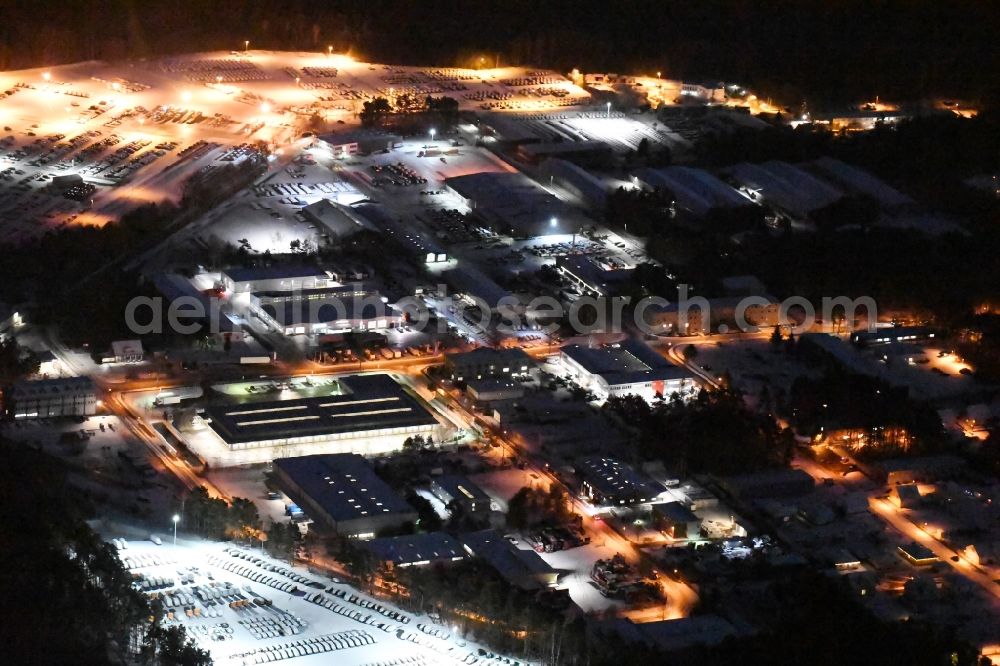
<point x="344" y="484"/>
<point x="371" y="402"/>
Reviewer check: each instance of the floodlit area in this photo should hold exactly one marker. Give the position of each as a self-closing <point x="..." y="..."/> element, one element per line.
<point x="84" y="143"/>
<point x="244" y="607"/>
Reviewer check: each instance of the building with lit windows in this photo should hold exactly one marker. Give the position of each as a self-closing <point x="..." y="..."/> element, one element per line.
<point x="48" y="398"/>
<point x="609" y="482"/>
<point x="341" y="492"/>
<point x="457" y="488"/>
<point x="629" y="367"/>
<point x="487" y="362"/>
<point x="369" y="414"/>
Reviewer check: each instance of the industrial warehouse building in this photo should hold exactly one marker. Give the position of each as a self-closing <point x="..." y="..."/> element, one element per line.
<point x="521" y="568"/>
<point x="586" y="153"/>
<point x="283" y="277"/>
<point x="857" y="181"/>
<point x="759" y="310"/>
<point x="343" y="493"/>
<point x="338" y="220"/>
<point x="487" y="362"/>
<point x="575" y="180"/>
<point x="893" y="335"/>
<point x="345" y="144"/>
<point x="372" y="414"/>
<point x="593" y="276"/>
<point x="695" y="190"/>
<point x="627" y="368"/>
<point x="415" y="550"/>
<point x="676" y="520"/>
<point x="785" y="188"/>
<point x="48" y="398"/>
<point x="421" y="247"/>
<point x="351" y="307"/>
<point x="513" y="203"/>
<point x="608" y="481"/>
<point x="490" y="389"/>
<point x="456" y="488"/>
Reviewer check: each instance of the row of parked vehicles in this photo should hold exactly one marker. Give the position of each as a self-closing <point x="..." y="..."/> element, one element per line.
<point x="307" y="646"/>
<point x="273" y="568"/>
<point x="390" y="613"/>
<point x="554" y="539"/>
<point x="255" y="575"/>
<point x="143" y="560"/>
<point x="276" y="623"/>
<point x="397" y="174"/>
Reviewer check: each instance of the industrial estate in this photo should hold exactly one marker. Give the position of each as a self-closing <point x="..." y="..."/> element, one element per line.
<point x="389" y="364"/>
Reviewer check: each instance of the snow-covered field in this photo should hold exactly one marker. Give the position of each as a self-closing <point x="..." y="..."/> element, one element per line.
<point x="137" y="130"/>
<point x="310" y="619"/>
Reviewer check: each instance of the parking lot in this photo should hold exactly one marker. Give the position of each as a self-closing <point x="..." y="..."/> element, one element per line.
<point x="247" y="608"/>
<point x="133" y="133"/>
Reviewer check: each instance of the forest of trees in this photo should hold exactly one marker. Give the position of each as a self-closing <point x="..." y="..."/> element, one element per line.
<point x="881" y="420"/>
<point x="65" y="597"/>
<point x="714" y="433"/>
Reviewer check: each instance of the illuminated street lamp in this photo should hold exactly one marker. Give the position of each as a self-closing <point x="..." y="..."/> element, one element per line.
<point x="433" y="132"/>
<point x="246" y="45"/>
<point x="553" y="222"/>
<point x="609" y="109"/>
<point x="658" y="75"/>
<point x="329" y="51"/>
<point x="176" y="520"/>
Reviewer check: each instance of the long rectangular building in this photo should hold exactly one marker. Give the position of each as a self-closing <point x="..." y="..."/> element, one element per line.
<point x="608" y="481"/>
<point x="343" y="493"/>
<point x="373" y="414"/>
<point x="627" y="368"/>
<point x="48" y="398"/>
<point x="695" y="190"/>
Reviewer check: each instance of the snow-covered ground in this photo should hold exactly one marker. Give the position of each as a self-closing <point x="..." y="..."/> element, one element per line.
<point x="346" y="633"/>
<point x="137" y="130"/>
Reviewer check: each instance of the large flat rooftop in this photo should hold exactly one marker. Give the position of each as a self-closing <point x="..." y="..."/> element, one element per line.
<point x="369" y="403"/>
<point x="343" y="484"/>
<point x="627" y="362"/>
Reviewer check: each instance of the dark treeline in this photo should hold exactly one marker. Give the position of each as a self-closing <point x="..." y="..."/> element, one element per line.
<point x="819" y="51"/>
<point x="65" y="597"/>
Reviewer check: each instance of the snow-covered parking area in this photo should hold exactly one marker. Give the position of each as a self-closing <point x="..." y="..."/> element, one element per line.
<point x="247" y="608"/>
